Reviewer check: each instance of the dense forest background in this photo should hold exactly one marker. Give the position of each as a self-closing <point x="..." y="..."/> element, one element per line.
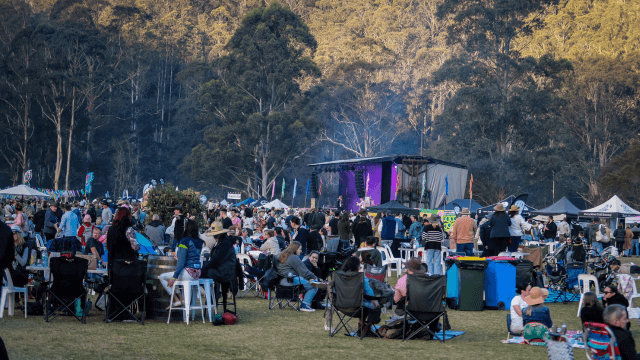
<point x="535" y="96"/>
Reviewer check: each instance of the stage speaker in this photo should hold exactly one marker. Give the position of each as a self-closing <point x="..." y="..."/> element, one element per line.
<point x="314" y="185"/>
<point x="360" y="184"/>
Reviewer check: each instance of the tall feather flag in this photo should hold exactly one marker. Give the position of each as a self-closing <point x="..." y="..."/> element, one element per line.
<point x="424" y="183"/>
<point x="471" y="187"/>
<point x="320" y="187"/>
<point x="308" y="184"/>
<point x="295" y="186"/>
<point x="273" y="190"/>
<point x="446" y="185"/>
<point x="27" y="177"/>
<point x="282" y="196"/>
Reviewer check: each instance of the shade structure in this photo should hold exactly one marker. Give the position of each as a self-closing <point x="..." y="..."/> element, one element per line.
<point x="23" y="190"/>
<point x="520" y="201"/>
<point x="260" y="202"/>
<point x="275" y="204"/>
<point x="247" y="201"/>
<point x="613" y="208"/>
<point x="393" y="207"/>
<point x="471" y="204"/>
<point x="561" y="207"/>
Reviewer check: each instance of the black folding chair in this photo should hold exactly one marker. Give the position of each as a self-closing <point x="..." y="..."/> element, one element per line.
<point x="285" y="295"/>
<point x="251" y="275"/>
<point x="425" y="304"/>
<point x="127" y="288"/>
<point x="376" y="272"/>
<point x="348" y="300"/>
<point x="67" y="287"/>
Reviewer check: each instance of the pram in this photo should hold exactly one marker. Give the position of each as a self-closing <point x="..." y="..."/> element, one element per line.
<point x="561" y="277"/>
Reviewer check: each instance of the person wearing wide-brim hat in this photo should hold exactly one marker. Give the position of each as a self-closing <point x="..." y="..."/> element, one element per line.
<point x="222" y="264"/>
<point x="517" y="228"/>
<point x="500" y="235"/>
<point x="462" y="233"/>
<point x="536" y="312"/>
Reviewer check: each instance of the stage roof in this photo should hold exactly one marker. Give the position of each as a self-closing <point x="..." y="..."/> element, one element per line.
<point x="394" y="158"/>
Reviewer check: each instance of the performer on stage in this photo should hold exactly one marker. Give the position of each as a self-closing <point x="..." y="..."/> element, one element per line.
<point x="340" y="204"/>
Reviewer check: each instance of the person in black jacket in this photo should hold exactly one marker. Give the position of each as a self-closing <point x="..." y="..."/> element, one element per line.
<point x="550" y="230"/>
<point x="616" y="317"/>
<point x="300" y="235"/>
<point x="312" y="264"/>
<point x="221" y="266"/>
<point x="485" y="236"/>
<point x="314" y="241"/>
<point x="361" y="231"/>
<point x="281" y="235"/>
<point x="612" y="296"/>
<point x="592" y="309"/>
<point x="500" y="236"/>
<point x="7" y="250"/>
<point x="333" y="223"/>
<point x="38" y="218"/>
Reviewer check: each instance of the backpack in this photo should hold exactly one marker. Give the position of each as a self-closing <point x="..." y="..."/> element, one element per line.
<point x="269" y="279"/>
<point x="601" y="235"/>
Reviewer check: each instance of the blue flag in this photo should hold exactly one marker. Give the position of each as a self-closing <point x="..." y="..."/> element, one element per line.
<point x="308" y="183"/>
<point x="295" y="185"/>
<point x="446" y="185"/>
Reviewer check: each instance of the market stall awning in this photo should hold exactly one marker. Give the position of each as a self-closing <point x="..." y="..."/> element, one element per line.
<point x="23" y="190"/>
<point x="613" y="208"/>
<point x="394" y="208"/>
<point x="520" y="201"/>
<point x="561" y="207"/>
<point x="247" y="201"/>
<point x="275" y="204"/>
<point x="471" y="204"/>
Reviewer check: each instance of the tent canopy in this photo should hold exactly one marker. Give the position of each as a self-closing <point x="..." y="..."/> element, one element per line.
<point x="394" y="208"/>
<point x="561" y="207"/>
<point x="262" y="201"/>
<point x="275" y="204"/>
<point x="613" y="208"/>
<point x="520" y="201"/>
<point x="461" y="203"/>
<point x="23" y="190"/>
<point x="247" y="201"/>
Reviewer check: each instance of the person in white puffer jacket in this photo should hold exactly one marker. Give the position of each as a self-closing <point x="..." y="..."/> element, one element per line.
<point x="517" y="226"/>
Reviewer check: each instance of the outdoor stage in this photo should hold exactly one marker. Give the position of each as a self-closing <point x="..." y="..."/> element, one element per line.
<point x="414" y="181"/>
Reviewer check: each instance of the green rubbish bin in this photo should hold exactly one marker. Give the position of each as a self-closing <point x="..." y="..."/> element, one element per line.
<point x="471" y="284"/>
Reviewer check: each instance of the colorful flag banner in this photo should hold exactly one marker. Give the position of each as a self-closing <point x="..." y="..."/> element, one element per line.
<point x="27" y="177"/>
<point x="282" y="196"/>
<point x="295" y="186"/>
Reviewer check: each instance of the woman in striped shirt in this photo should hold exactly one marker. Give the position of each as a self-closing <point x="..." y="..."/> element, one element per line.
<point x="432" y="238"/>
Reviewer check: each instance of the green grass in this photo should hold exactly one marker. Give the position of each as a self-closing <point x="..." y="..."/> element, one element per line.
<point x="265" y="334"/>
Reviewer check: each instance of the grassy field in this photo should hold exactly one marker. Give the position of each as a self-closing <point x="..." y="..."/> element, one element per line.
<point x="265" y="334"/>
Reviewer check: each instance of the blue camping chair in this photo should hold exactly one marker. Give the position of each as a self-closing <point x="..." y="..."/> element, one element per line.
<point x="146" y="247"/>
<point x="509" y="333"/>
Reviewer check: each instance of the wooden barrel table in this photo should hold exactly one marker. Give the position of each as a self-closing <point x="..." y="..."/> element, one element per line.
<point x="158" y="297"/>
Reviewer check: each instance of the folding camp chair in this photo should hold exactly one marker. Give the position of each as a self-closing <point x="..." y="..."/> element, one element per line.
<point x="251" y="275"/>
<point x="67" y="287"/>
<point x="127" y="288"/>
<point x="348" y="300"/>
<point x="376" y="272"/>
<point x="285" y="295"/>
<point x="599" y="342"/>
<point x="509" y="332"/>
<point x="425" y="304"/>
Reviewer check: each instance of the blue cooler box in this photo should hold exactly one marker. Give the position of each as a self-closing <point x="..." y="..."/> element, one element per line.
<point x="452" y="283"/>
<point x="499" y="284"/>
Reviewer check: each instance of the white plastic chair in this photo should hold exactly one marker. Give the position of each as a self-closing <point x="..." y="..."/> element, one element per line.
<point x="584" y="282"/>
<point x="389" y="260"/>
<point x="209" y="293"/>
<point x="634" y="294"/>
<point x="187" y="307"/>
<point x="7" y="292"/>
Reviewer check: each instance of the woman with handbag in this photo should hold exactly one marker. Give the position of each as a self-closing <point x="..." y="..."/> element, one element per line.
<point x="221" y="266"/>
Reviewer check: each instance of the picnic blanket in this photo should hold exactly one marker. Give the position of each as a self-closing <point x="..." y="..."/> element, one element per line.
<point x="558" y="296"/>
<point x="574" y="338"/>
<point x="450" y="333"/>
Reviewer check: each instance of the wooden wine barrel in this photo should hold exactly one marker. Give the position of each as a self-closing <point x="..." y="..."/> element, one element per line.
<point x="158" y="296"/>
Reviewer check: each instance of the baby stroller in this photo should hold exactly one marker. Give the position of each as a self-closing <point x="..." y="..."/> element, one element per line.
<point x="560" y="280"/>
<point x="604" y="268"/>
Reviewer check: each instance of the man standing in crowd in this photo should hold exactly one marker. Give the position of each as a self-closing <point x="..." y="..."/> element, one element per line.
<point x="287" y="221"/>
<point x="340" y="204"/>
<point x="415" y="230"/>
<point x="178" y="225"/>
<point x="7" y="250"/>
<point x="333" y="223"/>
<point x="550" y="230"/>
<point x="300" y="235"/>
<point x="107" y="214"/>
<point x="317" y="222"/>
<point x="564" y="229"/>
<point x="635" y="241"/>
<point x="271" y="221"/>
<point x="463" y="232"/>
<point x="155" y="230"/>
<point x="224" y="219"/>
<point x="69" y="223"/>
<point x="51" y="221"/>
